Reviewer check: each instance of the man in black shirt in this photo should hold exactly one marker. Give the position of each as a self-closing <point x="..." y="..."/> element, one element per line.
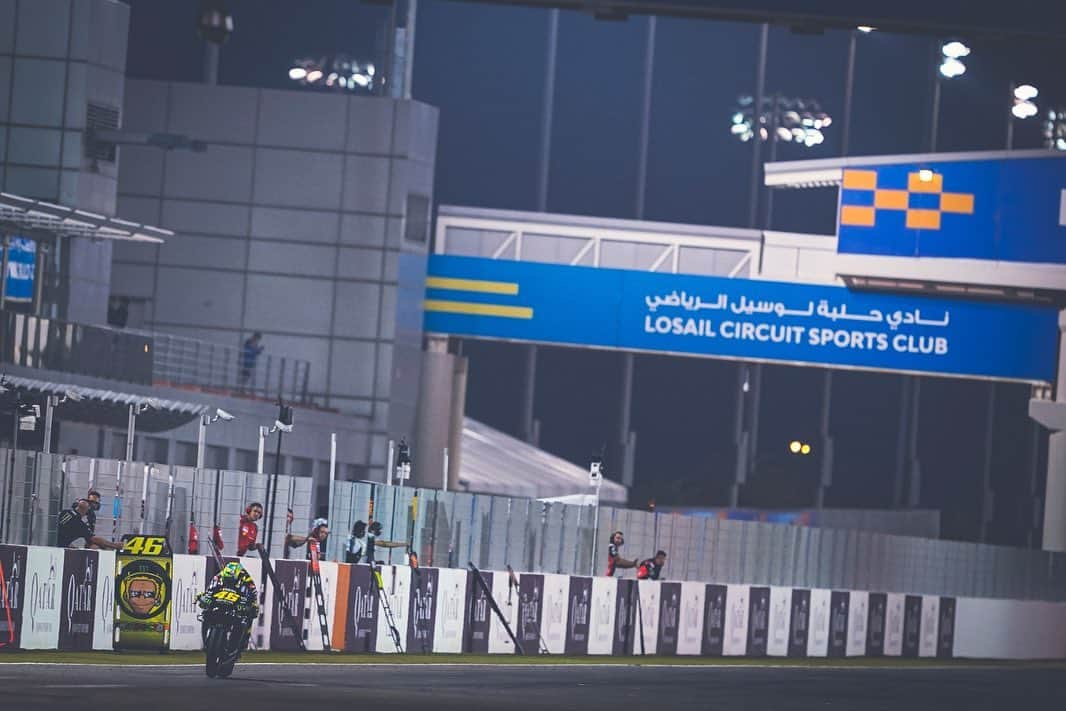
<point x="75" y="532"/>
<point x="652" y="568"/>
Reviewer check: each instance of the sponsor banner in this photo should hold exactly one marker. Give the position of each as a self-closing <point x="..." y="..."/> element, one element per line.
<point x="758" y="621"/>
<point x="858" y="619"/>
<point x="328" y="572"/>
<point x="927" y="640"/>
<point x="739" y="318"/>
<point x="13" y="567"/>
<point x="625" y="616"/>
<point x="895" y="612"/>
<point x="690" y="631"/>
<point x="530" y="609"/>
<point x="143" y="593"/>
<point x="338" y="626"/>
<point x="479" y="614"/>
<point x="912" y="625"/>
<point x="104" y="609"/>
<point x="945" y="636"/>
<point x="21" y="267"/>
<point x="422" y="610"/>
<point x="875" y="625"/>
<point x="80" y="573"/>
<point x="602" y="616"/>
<point x="799" y="623"/>
<point x="190" y="579"/>
<point x="396" y="579"/>
<point x="292" y="581"/>
<point x="553" y="621"/>
<point x="647" y="617"/>
<point x="40" y="617"/>
<point x="508" y="599"/>
<point x="669" y="618"/>
<point x="780" y="606"/>
<point x="451" y="608"/>
<point x="839" y="601"/>
<point x="1004" y="210"/>
<point x="714" y="603"/>
<point x="579" y="610"/>
<point x="736" y="621"/>
<point x="818" y="626"/>
<point x="361" y="620"/>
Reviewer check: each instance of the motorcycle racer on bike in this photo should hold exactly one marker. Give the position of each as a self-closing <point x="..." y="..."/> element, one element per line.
<point x="234" y="578"/>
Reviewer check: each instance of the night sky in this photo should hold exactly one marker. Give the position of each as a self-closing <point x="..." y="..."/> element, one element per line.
<point x="483" y="66"/>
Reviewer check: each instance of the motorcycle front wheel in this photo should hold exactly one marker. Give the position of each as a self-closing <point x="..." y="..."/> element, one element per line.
<point x="215" y="649"/>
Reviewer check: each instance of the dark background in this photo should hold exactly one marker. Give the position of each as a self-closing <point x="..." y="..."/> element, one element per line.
<point x="483" y="66"/>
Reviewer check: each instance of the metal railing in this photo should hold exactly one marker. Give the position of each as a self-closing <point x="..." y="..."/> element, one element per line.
<point x="147" y="358"/>
<point x="449" y="528"/>
<point x="52" y="344"/>
<point x="187" y="361"/>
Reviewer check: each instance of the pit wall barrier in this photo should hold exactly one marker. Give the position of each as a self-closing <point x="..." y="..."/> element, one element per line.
<point x="53" y="598"/>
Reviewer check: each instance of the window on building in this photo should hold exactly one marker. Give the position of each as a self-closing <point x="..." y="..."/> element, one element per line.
<point x="416" y="225"/>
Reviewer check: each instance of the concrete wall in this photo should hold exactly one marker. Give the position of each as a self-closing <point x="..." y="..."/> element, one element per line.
<point x="56" y="58"/>
<point x="301" y="221"/>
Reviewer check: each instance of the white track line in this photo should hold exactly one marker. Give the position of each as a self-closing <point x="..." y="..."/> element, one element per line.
<point x="409" y="665"/>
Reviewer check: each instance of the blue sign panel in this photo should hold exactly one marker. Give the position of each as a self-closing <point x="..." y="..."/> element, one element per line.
<point x="21" y="263"/>
<point x="738" y="318"/>
<point x="1011" y="210"/>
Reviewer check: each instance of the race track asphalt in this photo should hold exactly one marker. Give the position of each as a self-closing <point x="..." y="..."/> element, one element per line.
<point x="310" y="687"/>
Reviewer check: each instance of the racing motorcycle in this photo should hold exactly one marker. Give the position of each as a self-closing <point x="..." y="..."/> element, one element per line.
<point x="224" y="623"/>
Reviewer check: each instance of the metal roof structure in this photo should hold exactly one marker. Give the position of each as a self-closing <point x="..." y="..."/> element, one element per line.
<point x="829" y="172"/>
<point x="104" y="407"/>
<point x="496" y="463"/>
<point x="25" y="214"/>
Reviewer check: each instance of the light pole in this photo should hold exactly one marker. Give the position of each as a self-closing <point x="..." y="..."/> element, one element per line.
<point x="951" y="66"/>
<point x="50" y="404"/>
<point x="1021" y="107"/>
<point x="281" y="425"/>
<point x="205" y="420"/>
<point x="595" y="480"/>
<point x="777" y="118"/>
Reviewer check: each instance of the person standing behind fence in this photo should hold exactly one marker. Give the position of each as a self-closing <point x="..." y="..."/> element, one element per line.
<point x="249" y="355"/>
<point x="651" y="568"/>
<point x="249" y="529"/>
<point x="614" y="558"/>
<point x="74" y="532"/>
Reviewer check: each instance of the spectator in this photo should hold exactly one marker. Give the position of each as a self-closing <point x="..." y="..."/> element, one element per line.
<point x="372" y="542"/>
<point x="249" y="529"/>
<point x="319" y="532"/>
<point x="249" y="354"/>
<point x="614" y="559"/>
<point x="356" y="546"/>
<point x="93" y="497"/>
<point x="118" y="311"/>
<point x="651" y="568"/>
<point x="74" y="532"/>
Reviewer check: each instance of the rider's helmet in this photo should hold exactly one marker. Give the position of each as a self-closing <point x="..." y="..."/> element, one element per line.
<point x="236" y="572"/>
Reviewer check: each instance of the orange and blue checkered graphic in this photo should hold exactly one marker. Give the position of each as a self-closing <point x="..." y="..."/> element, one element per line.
<point x="1003" y="209"/>
<point x="922" y="199"/>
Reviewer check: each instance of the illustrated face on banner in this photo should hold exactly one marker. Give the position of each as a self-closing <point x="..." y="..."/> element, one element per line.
<point x="143" y="589"/>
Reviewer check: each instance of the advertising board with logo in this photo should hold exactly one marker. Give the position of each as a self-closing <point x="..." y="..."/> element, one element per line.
<point x="143" y="593"/>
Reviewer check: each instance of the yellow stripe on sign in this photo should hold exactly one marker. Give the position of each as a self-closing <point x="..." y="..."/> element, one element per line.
<point x="472" y="309"/>
<point x="860" y="180"/>
<point x="483" y="287"/>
